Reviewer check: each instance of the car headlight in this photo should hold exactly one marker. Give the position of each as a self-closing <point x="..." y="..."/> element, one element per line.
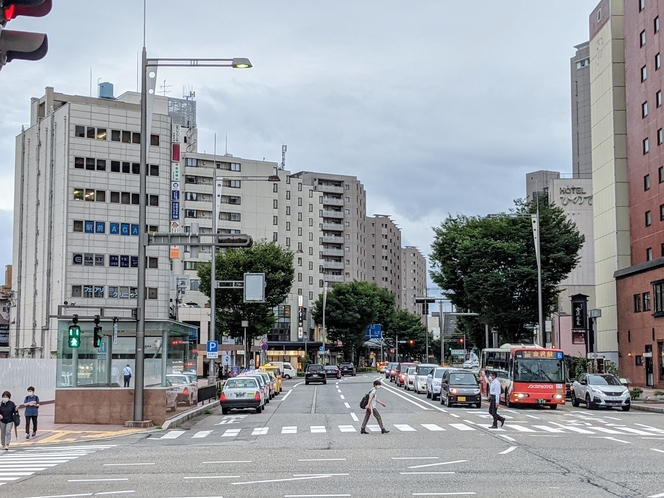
<point x="453" y="390"/>
<point x="476" y="391"/>
<point x="598" y="391"/>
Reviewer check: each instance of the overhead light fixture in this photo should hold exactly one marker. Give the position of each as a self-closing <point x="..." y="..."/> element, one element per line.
<point x="241" y="63"/>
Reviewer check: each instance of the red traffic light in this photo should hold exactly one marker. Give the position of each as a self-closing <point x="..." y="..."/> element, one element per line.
<point x="20" y="44"/>
<point x="461" y="340"/>
<point x="411" y="342"/>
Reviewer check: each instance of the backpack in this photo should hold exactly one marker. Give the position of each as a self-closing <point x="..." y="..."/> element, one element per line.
<point x="365" y="401"/>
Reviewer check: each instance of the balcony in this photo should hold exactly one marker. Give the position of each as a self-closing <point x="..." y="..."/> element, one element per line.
<point x="332" y="201"/>
<point x="333" y="252"/>
<point x="330" y="188"/>
<point x="334" y="227"/>
<point x="333" y="265"/>
<point x="333" y="214"/>
<point x="331" y="239"/>
<point x="333" y="278"/>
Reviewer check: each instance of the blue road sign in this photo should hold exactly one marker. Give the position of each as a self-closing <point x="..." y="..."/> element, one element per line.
<point x="321" y="349"/>
<point x="212" y="350"/>
<point x="374" y="331"/>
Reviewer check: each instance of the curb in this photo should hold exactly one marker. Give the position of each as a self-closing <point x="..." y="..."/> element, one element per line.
<point x="183" y="417"/>
<point x="644" y="408"/>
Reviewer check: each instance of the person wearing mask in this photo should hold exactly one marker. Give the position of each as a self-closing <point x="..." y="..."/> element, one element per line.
<point x="371" y="410"/>
<point x="7" y="412"/>
<point x="494" y="400"/>
<point x="31" y="403"/>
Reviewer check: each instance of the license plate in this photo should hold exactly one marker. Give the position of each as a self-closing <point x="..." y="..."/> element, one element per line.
<point x="461" y="398"/>
<point x="541" y="401"/>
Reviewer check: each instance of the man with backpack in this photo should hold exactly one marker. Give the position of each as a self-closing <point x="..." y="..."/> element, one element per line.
<point x="370" y="408"/>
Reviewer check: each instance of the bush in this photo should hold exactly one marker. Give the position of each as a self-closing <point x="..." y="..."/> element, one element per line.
<point x="635" y="393"/>
<point x="658" y="393"/>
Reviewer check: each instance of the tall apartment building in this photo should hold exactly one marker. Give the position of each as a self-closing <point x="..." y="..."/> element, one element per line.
<point x="640" y="283"/>
<point x="581" y="131"/>
<point x="383" y="255"/>
<point x="609" y="165"/>
<point x="76" y="211"/>
<point x="413" y="279"/>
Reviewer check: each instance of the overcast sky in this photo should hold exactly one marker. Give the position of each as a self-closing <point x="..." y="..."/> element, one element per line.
<point x="436" y="106"/>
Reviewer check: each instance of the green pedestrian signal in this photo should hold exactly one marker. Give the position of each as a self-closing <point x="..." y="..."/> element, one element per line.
<point x="74" y="334"/>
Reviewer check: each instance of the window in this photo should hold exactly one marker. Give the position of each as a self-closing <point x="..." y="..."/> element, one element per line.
<point x="311" y="251"/>
<point x="275" y="204"/>
<point x="644" y="109"/>
<point x="299" y="216"/>
<point x="287" y="241"/>
<point x="646" y="146"/>
<point x="658" y="291"/>
<point x="642" y="38"/>
<point x="646" y="182"/>
<point x="299" y="187"/>
<point x="115" y="135"/>
<point x="154" y="140"/>
<point x="78" y="194"/>
<point x="658" y="95"/>
<point x="135" y="138"/>
<point x="154" y="170"/>
<point x="637" y="303"/>
<point x="646" y="301"/>
<point x="152" y="293"/>
<point x="275" y="187"/>
<point x="275" y="220"/>
<point x="311" y="208"/>
<point x="660" y="173"/>
<point x="287" y="210"/>
<point x="642" y="5"/>
<point x="299" y="201"/>
<point x="649" y="254"/>
<point x="648" y="219"/>
<point x="101" y="164"/>
<point x="638" y="359"/>
<point x="79" y="131"/>
<point x="288" y="195"/>
<point x="90" y="163"/>
<point x="76" y="291"/>
<point x="658" y="61"/>
<point x="311" y="194"/>
<point x="78" y="225"/>
<point x="275" y="236"/>
<point x="153" y="200"/>
<point x="153" y="262"/>
<point x="661" y="212"/>
<point x="660" y="136"/>
<point x="656" y="25"/>
<point x="288" y="226"/>
<point x="299" y="231"/>
<point x="126" y="137"/>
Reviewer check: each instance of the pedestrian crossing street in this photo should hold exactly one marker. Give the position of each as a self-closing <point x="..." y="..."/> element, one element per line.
<point x="15" y="465"/>
<point x="460" y="426"/>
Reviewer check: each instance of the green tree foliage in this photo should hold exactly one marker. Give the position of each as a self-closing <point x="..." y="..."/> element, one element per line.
<point x="488" y="266"/>
<point x="232" y="264"/>
<point x="350" y="308"/>
<point x="407" y="327"/>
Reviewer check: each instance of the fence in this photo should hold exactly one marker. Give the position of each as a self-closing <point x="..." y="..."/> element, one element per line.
<point x="207" y="392"/>
<point x="16" y="374"/>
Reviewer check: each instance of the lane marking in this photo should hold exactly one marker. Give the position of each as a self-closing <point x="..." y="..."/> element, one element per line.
<point x="404" y="427"/>
<point x="573" y="429"/>
<point x="230" y="461"/>
<point x="546" y="428"/>
<point x="651" y="429"/>
<point x="519" y="428"/>
<point x="608" y="431"/>
<point x="172" y="435"/>
<point x="415" y="458"/>
<point x="98" y="480"/>
<point x="342" y="396"/>
<point x="321" y="459"/>
<point x="313" y="401"/>
<point x="317" y="429"/>
<point x="461" y="493"/>
<point x="127" y="464"/>
<point x="432" y="427"/>
<point x="424" y="473"/>
<point x="286" y="395"/>
<point x="347" y="428"/>
<point x="533" y="416"/>
<point x="346" y="405"/>
<point x="636" y="431"/>
<point x="201" y="434"/>
<point x="462" y="427"/>
<point x="508" y="450"/>
<point x="314" y="496"/>
<point x="617" y="440"/>
<point x="295" y="478"/>
<point x="416" y="403"/>
<point x="291" y="429"/>
<point x="655" y="449"/>
<point x="211" y="477"/>
<point x="231" y="432"/>
<point x="260" y="431"/>
<point x="656" y="496"/>
<point x="435" y="464"/>
<point x="512" y="440"/>
<point x="354" y="417"/>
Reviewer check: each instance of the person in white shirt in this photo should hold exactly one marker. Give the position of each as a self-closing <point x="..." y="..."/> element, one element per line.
<point x="371" y="410"/>
<point x="494" y="399"/>
<point x="126" y="372"/>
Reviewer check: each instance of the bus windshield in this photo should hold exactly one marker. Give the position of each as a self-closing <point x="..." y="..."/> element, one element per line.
<point x="539" y="370"/>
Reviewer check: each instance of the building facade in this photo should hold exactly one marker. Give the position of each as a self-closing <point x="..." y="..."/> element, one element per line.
<point x="581" y="129"/>
<point x="413" y="280"/>
<point x="383" y="255"/>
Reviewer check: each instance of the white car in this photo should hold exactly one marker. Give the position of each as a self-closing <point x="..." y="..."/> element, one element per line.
<point x="433" y="381"/>
<point x="423" y="370"/>
<point x="409" y="381"/>
<point x="187" y="391"/>
<point x="600" y="390"/>
<point x="470" y="364"/>
<point x="240" y="393"/>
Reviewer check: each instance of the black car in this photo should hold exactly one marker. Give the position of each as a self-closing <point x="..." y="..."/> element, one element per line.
<point x="460" y="387"/>
<point x="332" y="371"/>
<point x="315" y="373"/>
<point x="347" y="368"/>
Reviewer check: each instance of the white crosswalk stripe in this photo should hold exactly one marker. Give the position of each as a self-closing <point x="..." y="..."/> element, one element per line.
<point x="317" y="429"/>
<point x="231" y="432"/>
<point x="433" y="427"/>
<point x="347" y="428"/>
<point x="289" y="430"/>
<point x="578" y="430"/>
<point x="172" y="435"/>
<point x="519" y="428"/>
<point x="201" y="434"/>
<point x="404" y="427"/>
<point x="24" y="463"/>
<point x="462" y="427"/>
<point x="260" y="431"/>
<point x="546" y="428"/>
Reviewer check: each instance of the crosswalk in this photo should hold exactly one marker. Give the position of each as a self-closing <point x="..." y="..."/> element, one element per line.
<point x="464" y="426"/>
<point x="15" y="465"/>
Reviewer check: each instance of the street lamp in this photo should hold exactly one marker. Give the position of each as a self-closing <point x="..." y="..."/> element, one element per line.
<point x="148" y="86"/>
<point x="323" y="334"/>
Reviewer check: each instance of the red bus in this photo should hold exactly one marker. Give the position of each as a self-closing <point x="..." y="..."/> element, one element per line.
<point x="529" y="374"/>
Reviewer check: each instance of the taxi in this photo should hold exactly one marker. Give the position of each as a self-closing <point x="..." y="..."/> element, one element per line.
<point x="380" y="366"/>
<point x="240" y="393"/>
<point x="276" y="373"/>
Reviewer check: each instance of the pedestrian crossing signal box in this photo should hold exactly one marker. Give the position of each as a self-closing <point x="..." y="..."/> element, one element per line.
<point x="74" y="336"/>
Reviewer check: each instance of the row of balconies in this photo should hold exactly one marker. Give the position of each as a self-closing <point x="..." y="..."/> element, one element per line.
<point x="335" y="227"/>
<point x="333" y="265"/>
<point x="333" y="252"/>
<point x="331" y="239"/>
<point x="333" y="214"/>
<point x="330" y="188"/>
<point x="332" y="201"/>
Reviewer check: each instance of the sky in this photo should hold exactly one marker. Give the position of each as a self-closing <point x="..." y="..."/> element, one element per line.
<point x="439" y="107"/>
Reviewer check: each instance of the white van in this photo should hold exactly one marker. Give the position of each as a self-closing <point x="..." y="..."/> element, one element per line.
<point x="287" y="369"/>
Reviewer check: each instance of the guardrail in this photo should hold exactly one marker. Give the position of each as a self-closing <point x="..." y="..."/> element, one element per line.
<point x="207" y="393"/>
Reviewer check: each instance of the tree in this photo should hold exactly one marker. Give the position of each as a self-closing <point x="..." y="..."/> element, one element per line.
<point x="232" y="264"/>
<point x="350" y="308"/>
<point x="488" y="266"/>
<point x="408" y="327"/>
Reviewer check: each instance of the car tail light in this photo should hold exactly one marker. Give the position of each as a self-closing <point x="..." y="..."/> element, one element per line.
<point x="258" y="396"/>
<point x="222" y="397"/>
<point x="186" y="391"/>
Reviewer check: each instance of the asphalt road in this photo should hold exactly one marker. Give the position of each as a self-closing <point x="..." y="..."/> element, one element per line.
<point x="307" y="444"/>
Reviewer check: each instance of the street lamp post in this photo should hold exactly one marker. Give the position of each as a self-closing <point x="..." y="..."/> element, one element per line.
<point x="536" y="235"/>
<point x="324" y="330"/>
<point x="148" y="86"/>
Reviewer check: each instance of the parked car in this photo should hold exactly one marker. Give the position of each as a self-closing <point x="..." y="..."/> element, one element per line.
<point x="171" y="397"/>
<point x="423" y="369"/>
<point x="315" y="373"/>
<point x="400" y="375"/>
<point x="332" y="371"/>
<point x="347" y="368"/>
<point x="460" y="387"/>
<point x="276" y="373"/>
<point x="390" y="371"/>
<point x="287" y="368"/>
<point x="433" y="381"/>
<point x="241" y="392"/>
<point x="380" y="366"/>
<point x="265" y="389"/>
<point x="409" y="381"/>
<point x="187" y="391"/>
<point x="600" y="390"/>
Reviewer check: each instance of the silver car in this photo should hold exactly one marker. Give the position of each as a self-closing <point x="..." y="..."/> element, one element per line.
<point x="600" y="390"/>
<point x="409" y="381"/>
<point x="433" y="381"/>
<point x="421" y="373"/>
<point x="240" y="393"/>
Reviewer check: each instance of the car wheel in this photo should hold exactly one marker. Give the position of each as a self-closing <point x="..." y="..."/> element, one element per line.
<point x="324" y="382"/>
<point x="553" y="407"/>
<point x="288" y="376"/>
<point x="306" y="382"/>
<point x="575" y="401"/>
<point x="259" y="409"/>
<point x="448" y="402"/>
<point x="225" y="411"/>
<point x="625" y="408"/>
<point x="479" y="405"/>
<point x="589" y="404"/>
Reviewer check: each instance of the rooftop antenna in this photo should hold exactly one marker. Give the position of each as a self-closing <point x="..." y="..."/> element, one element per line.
<point x="226" y="151"/>
<point x="188" y="92"/>
<point x="284" y="148"/>
<point x="165" y="88"/>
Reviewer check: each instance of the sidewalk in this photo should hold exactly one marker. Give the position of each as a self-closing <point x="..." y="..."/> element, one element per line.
<point x="645" y="403"/>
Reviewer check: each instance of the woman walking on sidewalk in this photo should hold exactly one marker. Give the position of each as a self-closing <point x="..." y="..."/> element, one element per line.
<point x="7" y="412"/>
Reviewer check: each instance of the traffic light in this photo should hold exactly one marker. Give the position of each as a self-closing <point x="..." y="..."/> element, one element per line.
<point x="461" y="340"/>
<point x="411" y="342"/>
<point x="21" y="44"/>
<point x="98" y="333"/>
<point x="74" y="334"/>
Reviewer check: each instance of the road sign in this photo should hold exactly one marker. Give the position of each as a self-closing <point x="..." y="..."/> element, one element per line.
<point x="374" y="331"/>
<point x="458" y="352"/>
<point x="264" y="340"/>
<point x="212" y="350"/>
<point x="226" y="359"/>
<point x="264" y="346"/>
<point x="321" y="349"/>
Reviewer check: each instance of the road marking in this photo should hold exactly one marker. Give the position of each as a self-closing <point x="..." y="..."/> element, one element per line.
<point x="231" y="432"/>
<point x="296" y="477"/>
<point x="656" y="496"/>
<point x="404" y="427"/>
<point x="347" y="428"/>
<point x="455" y="415"/>
<point x="462" y="427"/>
<point x="313" y="496"/>
<point x="98" y="480"/>
<point x="415" y="458"/>
<point x="519" y="428"/>
<point x="211" y="477"/>
<point x="260" y="431"/>
<point x="508" y="450"/>
<point x="346" y="404"/>
<point x="607" y="431"/>
<point x="231" y="461"/>
<point x="435" y="464"/>
<point x="655" y="449"/>
<point x="342" y="396"/>
<point x="396" y="393"/>
<point x="355" y="417"/>
<point x="286" y="395"/>
<point x="574" y="429"/>
<point x="546" y="428"/>
<point x="317" y="429"/>
<point x="432" y="427"/>
<point x="512" y="440"/>
<point x="462" y="493"/>
<point x="87" y="494"/>
<point x="636" y="431"/>
<point x="321" y="459"/>
<point x="617" y="440"/>
<point x="373" y="428"/>
<point x="172" y="435"/>
<point x="126" y="464"/>
<point x="533" y="416"/>
<point x="289" y="429"/>
<point x="424" y="473"/>
<point x="200" y="434"/>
